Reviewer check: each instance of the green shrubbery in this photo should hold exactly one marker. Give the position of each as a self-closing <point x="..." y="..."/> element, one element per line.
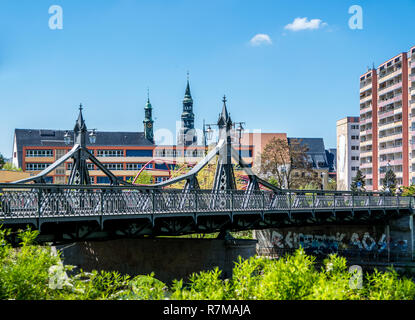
<point x="36" y="272"/>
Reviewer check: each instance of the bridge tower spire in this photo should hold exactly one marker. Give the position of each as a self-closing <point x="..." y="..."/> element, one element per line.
<point x="79" y="173"/>
<point x="224" y="176"/>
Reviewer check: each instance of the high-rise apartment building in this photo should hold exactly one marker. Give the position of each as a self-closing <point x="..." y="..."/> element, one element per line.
<point x="348" y="152"/>
<point x="387" y="122"/>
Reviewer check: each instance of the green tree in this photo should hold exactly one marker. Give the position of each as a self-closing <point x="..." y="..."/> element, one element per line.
<point x="10" y="167"/>
<point x="358" y="179"/>
<point x="389" y="181"/>
<point x="408" y="191"/>
<point x="2" y="161"/>
<point x="332" y="184"/>
<point x="144" y="178"/>
<point x="287" y="163"/>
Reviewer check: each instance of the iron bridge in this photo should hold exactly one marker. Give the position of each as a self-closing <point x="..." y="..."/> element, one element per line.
<point x="75" y="213"/>
<point x="79" y="211"/>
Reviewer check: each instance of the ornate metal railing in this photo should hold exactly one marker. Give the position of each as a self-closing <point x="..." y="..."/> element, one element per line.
<point x="54" y="201"/>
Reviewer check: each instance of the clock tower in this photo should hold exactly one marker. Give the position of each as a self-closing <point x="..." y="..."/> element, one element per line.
<point x="187" y="134"/>
<point x="148" y="121"/>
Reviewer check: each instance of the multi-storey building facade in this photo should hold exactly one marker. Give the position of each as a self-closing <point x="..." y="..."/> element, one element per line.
<point x="348" y="153"/>
<point x="386" y="100"/>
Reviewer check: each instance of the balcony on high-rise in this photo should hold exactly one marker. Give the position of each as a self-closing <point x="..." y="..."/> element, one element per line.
<point x="390" y="68"/>
<point x="391" y="84"/>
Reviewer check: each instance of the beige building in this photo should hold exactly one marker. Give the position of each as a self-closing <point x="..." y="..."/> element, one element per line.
<point x="348" y="152"/>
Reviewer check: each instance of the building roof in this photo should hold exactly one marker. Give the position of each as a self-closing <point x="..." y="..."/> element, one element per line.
<point x="316" y="151"/>
<point x="54" y="138"/>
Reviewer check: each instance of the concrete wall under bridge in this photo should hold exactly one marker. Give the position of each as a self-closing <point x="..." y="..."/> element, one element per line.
<point x="382" y="244"/>
<point x="168" y="258"/>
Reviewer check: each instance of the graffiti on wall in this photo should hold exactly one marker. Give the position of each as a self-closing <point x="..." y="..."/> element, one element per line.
<point x="326" y="244"/>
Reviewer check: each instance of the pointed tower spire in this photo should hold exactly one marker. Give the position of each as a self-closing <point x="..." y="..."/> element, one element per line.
<point x="80" y="123"/>
<point x="80" y="128"/>
<point x="187" y="94"/>
<point x="187" y="135"/>
<point x="148" y="119"/>
<point x="224" y="118"/>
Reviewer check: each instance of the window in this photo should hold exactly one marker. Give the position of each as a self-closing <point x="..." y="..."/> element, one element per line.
<point x="161" y="166"/>
<point x="60" y="172"/>
<point x="103" y="180"/>
<point x="161" y="179"/>
<point x="246" y="153"/>
<point x="114" y="166"/>
<point x="48" y="179"/>
<point x="110" y="153"/>
<point x="90" y="166"/>
<point x="37" y="166"/>
<point x="355" y="148"/>
<point x="134" y="166"/>
<point x="39" y="153"/>
<point x="139" y="153"/>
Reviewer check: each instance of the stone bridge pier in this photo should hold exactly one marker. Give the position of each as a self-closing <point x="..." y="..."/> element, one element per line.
<point x="168" y="258"/>
<point x="376" y="245"/>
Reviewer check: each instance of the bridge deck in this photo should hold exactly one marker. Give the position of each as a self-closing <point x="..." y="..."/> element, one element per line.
<point x="193" y="210"/>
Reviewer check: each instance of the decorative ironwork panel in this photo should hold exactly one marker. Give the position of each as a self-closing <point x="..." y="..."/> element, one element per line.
<point x="19" y="204"/>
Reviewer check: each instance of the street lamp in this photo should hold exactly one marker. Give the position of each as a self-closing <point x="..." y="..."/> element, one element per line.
<point x="93" y="136"/>
<point x="67" y="138"/>
<point x="207" y="134"/>
<point x="240" y="129"/>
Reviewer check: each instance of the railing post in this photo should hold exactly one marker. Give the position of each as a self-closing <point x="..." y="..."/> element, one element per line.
<point x="352" y="200"/>
<point x="153" y="200"/>
<point x="39" y="206"/>
<point x="101" y="198"/>
<point x="334" y="200"/>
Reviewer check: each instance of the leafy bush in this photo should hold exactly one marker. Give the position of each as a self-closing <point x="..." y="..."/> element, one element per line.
<point x="24" y="272"/>
<point x="36" y="272"/>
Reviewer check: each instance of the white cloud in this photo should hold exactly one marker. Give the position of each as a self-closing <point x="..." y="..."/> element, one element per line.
<point x="305" y="24"/>
<point x="260" y="39"/>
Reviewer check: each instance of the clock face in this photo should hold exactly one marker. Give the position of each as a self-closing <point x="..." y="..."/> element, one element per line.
<point x="149" y="125"/>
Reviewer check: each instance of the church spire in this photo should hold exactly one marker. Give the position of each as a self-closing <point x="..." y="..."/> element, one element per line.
<point x="187" y="135"/>
<point x="187" y="94"/>
<point x="148" y="120"/>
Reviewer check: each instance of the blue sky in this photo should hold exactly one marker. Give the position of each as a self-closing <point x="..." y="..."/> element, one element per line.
<point x="108" y="53"/>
